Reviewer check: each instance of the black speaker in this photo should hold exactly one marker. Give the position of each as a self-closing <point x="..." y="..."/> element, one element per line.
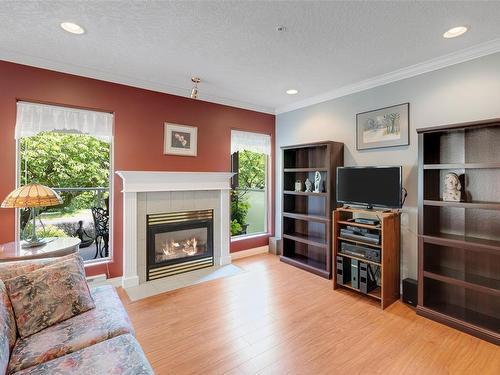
<point x="410" y="292"/>
<point x="366" y="282"/>
<point x="354" y="274"/>
<point x="343" y="270"/>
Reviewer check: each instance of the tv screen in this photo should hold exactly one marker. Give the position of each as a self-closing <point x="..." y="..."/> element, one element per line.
<point x="369" y="186"/>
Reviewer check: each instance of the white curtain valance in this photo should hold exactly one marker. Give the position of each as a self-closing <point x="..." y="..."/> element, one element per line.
<point x="246" y="141"/>
<point x="34" y="118"/>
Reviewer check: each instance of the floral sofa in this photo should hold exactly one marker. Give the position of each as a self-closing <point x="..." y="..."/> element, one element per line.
<point x="98" y="341"/>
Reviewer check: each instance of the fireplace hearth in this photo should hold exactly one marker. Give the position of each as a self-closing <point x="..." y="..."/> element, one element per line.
<point x="179" y="242"/>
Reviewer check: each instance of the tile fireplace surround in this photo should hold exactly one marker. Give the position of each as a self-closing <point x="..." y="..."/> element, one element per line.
<point x="146" y="193"/>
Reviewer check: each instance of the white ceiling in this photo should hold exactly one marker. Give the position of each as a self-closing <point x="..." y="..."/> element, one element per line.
<point x="233" y="46"/>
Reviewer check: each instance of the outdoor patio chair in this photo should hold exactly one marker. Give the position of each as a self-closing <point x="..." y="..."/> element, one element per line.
<point x="101" y="224"/>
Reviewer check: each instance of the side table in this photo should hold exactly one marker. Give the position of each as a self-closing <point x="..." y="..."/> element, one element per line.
<point x="59" y="246"/>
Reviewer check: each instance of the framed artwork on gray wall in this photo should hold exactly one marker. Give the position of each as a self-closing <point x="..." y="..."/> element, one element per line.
<point x="180" y="140"/>
<point x="384" y="127"/>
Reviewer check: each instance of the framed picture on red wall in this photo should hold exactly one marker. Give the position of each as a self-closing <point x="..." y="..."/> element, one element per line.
<point x="180" y="140"/>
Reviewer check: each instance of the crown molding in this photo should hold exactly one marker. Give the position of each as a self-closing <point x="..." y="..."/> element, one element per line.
<point x="441" y="62"/>
<point x="37" y="62"/>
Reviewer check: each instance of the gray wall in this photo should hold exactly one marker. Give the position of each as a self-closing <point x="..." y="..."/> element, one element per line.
<point x="464" y="92"/>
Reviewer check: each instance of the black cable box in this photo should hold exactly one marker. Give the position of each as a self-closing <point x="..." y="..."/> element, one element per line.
<point x="363" y="232"/>
<point x="362" y="220"/>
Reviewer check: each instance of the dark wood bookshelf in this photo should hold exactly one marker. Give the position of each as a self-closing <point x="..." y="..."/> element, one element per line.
<point x="307" y="239"/>
<point x="472" y="204"/>
<point x="387" y="290"/>
<point x="306" y="217"/>
<point x="467" y="280"/>
<point x="307" y="264"/>
<point x="459" y="242"/>
<point x="305" y="193"/>
<point x="465" y="242"/>
<point x="491" y="165"/>
<point x="296" y="170"/>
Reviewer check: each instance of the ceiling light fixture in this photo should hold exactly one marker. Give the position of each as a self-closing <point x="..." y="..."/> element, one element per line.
<point x="194" y="90"/>
<point x="455" y="31"/>
<point x="292" y="92"/>
<point x="72" y="28"/>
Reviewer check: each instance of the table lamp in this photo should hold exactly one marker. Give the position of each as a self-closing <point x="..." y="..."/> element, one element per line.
<point x="32" y="196"/>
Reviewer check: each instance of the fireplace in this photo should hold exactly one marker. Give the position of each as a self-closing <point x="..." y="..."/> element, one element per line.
<point x="179" y="242"/>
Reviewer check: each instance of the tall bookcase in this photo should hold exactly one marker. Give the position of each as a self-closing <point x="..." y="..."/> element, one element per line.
<point x="459" y="242"/>
<point x="306" y="218"/>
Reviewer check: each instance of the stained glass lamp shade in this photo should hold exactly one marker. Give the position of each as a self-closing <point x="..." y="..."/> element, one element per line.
<point x="32" y="196"/>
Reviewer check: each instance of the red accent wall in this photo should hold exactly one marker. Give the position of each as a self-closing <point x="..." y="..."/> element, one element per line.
<point x="138" y="135"/>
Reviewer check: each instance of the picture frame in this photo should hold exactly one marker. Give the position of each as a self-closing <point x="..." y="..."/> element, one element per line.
<point x="383" y="127"/>
<point x="180" y="140"/>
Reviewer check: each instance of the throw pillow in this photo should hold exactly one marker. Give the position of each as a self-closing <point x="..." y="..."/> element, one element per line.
<point x="49" y="295"/>
<point x="8" y="270"/>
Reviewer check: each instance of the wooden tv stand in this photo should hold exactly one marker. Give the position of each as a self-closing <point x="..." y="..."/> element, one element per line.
<point x="389" y="228"/>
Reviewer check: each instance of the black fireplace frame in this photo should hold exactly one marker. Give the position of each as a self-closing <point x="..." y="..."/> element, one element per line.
<point x="153" y="229"/>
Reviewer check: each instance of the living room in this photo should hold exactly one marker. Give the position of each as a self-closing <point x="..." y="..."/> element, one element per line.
<point x="249" y="187"/>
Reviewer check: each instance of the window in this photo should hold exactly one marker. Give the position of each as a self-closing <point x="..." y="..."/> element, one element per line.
<point x="70" y="151"/>
<point x="250" y="160"/>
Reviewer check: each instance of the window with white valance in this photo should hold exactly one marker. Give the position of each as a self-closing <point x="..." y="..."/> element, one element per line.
<point x="246" y="141"/>
<point x="70" y="151"/>
<point x="35" y="118"/>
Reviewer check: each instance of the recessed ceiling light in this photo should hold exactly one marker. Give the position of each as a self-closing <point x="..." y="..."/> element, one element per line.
<point x="292" y="92"/>
<point x="72" y="28"/>
<point x="456" y="31"/>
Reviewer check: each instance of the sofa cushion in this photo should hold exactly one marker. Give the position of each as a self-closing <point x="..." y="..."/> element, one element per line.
<point x="107" y="320"/>
<point x="49" y="295"/>
<point x="7" y="328"/>
<point x="120" y="355"/>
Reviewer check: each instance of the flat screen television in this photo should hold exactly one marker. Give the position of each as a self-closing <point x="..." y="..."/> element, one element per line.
<point x="370" y="186"/>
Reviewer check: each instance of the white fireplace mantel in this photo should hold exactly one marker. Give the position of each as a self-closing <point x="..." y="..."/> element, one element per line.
<point x="144" y="182"/>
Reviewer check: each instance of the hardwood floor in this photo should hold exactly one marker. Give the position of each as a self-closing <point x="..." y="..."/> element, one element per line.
<point x="276" y="319"/>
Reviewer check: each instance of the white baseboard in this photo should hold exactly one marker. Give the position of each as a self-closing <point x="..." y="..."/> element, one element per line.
<point x="115" y="281"/>
<point x="99" y="280"/>
<point x="128" y="282"/>
<point x="250" y="252"/>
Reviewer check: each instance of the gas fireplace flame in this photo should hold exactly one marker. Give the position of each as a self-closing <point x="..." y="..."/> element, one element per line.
<point x="190" y="246"/>
<point x="171" y="248"/>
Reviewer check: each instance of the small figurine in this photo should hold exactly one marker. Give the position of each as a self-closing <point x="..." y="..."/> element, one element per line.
<point x="317" y="182"/>
<point x="298" y="185"/>
<point x="308" y="186"/>
<point x="452" y="188"/>
<point x="83" y="236"/>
